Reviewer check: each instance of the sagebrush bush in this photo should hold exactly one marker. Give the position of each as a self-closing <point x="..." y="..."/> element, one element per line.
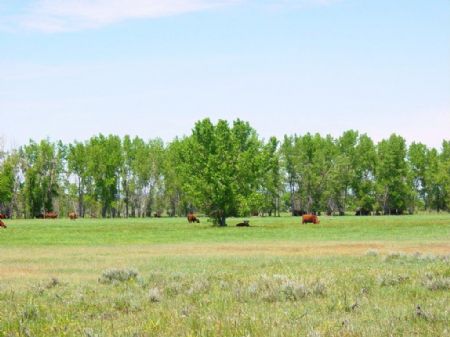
<point x="390" y="279"/>
<point x="372" y="252"/>
<point x="118" y="275"/>
<point x="436" y="282"/>
<point x="154" y="295"/>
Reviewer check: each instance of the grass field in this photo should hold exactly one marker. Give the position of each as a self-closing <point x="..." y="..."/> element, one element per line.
<point x="348" y="276"/>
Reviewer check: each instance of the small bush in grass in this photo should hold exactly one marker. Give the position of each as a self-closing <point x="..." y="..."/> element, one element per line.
<point x="392" y="256"/>
<point x="154" y="295"/>
<point x="319" y="288"/>
<point x="30" y="312"/>
<point x="118" y="275"/>
<point x="293" y="291"/>
<point x="53" y="283"/>
<point x="391" y="280"/>
<point x="199" y="286"/>
<point x="88" y="332"/>
<point x="434" y="282"/>
<point x="372" y="252"/>
<point x="174" y="288"/>
<point x="126" y="303"/>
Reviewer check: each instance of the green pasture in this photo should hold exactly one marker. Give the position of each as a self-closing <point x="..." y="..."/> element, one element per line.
<point x="94" y="232"/>
<point x="347" y="276"/>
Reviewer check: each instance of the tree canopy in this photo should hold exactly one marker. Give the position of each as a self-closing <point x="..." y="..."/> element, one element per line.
<point x="222" y="170"/>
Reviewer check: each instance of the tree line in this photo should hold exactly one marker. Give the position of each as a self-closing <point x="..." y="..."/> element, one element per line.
<point x="224" y="170"/>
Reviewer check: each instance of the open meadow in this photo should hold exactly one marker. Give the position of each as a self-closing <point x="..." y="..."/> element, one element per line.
<point x="347" y="276"/>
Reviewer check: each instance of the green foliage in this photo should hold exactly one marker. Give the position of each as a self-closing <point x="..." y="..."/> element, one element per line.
<point x="42" y="164"/>
<point x="223" y="167"/>
<point x="393" y="191"/>
<point x="225" y="170"/>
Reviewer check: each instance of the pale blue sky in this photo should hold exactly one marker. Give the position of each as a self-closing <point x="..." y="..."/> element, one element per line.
<point x="70" y="69"/>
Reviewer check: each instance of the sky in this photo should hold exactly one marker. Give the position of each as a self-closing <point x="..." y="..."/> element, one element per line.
<point x="71" y="69"/>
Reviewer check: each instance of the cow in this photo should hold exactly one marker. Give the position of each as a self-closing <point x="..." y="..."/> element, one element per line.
<point x="157" y="214"/>
<point x="3" y="216"/>
<point x="47" y="215"/>
<point x="298" y="212"/>
<point x="73" y="215"/>
<point x="192" y="218"/>
<point x="2" y="224"/>
<point x="362" y="211"/>
<point x="310" y="218"/>
<point x="246" y="223"/>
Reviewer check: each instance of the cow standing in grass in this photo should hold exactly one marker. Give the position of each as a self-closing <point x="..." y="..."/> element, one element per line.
<point x="2" y="224"/>
<point x="310" y="218"/>
<point x="192" y="218"/>
<point x="47" y="215"/>
<point x="73" y="215"/>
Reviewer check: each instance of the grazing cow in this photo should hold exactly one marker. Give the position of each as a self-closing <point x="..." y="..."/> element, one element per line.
<point x="157" y="214"/>
<point x="246" y="223"/>
<point x="310" y="218"/>
<point x="2" y="224"/>
<point x="362" y="211"/>
<point x="192" y="218"/>
<point x="73" y="215"/>
<point x="50" y="215"/>
<point x="298" y="212"/>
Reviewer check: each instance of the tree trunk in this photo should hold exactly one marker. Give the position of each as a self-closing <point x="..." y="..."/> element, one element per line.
<point x="222" y="221"/>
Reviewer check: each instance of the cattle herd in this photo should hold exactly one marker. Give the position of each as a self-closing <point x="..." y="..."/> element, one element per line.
<point x="191" y="217"/>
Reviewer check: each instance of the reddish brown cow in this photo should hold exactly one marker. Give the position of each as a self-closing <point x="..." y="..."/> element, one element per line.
<point x="192" y="218"/>
<point x="50" y="215"/>
<point x="2" y="224"/>
<point x="73" y="215"/>
<point x="310" y="218"/>
<point x="3" y="216"/>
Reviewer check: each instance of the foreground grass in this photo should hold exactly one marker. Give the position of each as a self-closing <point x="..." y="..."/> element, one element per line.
<point x="348" y="276"/>
<point x="243" y="296"/>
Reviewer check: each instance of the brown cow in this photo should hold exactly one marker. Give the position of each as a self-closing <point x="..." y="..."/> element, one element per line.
<point x="311" y="218"/>
<point x="50" y="215"/>
<point x="157" y="214"/>
<point x="2" y="224"/>
<point x="3" y="216"/>
<point x="73" y="215"/>
<point x="192" y="218"/>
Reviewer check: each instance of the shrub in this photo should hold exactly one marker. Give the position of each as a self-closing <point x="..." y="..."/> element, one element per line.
<point x="433" y="282"/>
<point x="154" y="295"/>
<point x="118" y="275"/>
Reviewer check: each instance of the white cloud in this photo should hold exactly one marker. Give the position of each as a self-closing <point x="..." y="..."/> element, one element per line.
<point x="73" y="15"/>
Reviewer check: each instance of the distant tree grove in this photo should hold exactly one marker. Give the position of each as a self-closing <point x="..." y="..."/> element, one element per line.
<point x="224" y="170"/>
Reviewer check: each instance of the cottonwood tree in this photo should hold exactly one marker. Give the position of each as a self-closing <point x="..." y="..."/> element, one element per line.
<point x="392" y="175"/>
<point x="223" y="168"/>
<point x="41" y="166"/>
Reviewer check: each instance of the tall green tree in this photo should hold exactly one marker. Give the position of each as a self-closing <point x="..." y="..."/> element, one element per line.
<point x="363" y="185"/>
<point x="7" y="178"/>
<point x="42" y="164"/>
<point x="222" y="171"/>
<point x="392" y="175"/>
<point x="104" y="156"/>
<point x="77" y="161"/>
